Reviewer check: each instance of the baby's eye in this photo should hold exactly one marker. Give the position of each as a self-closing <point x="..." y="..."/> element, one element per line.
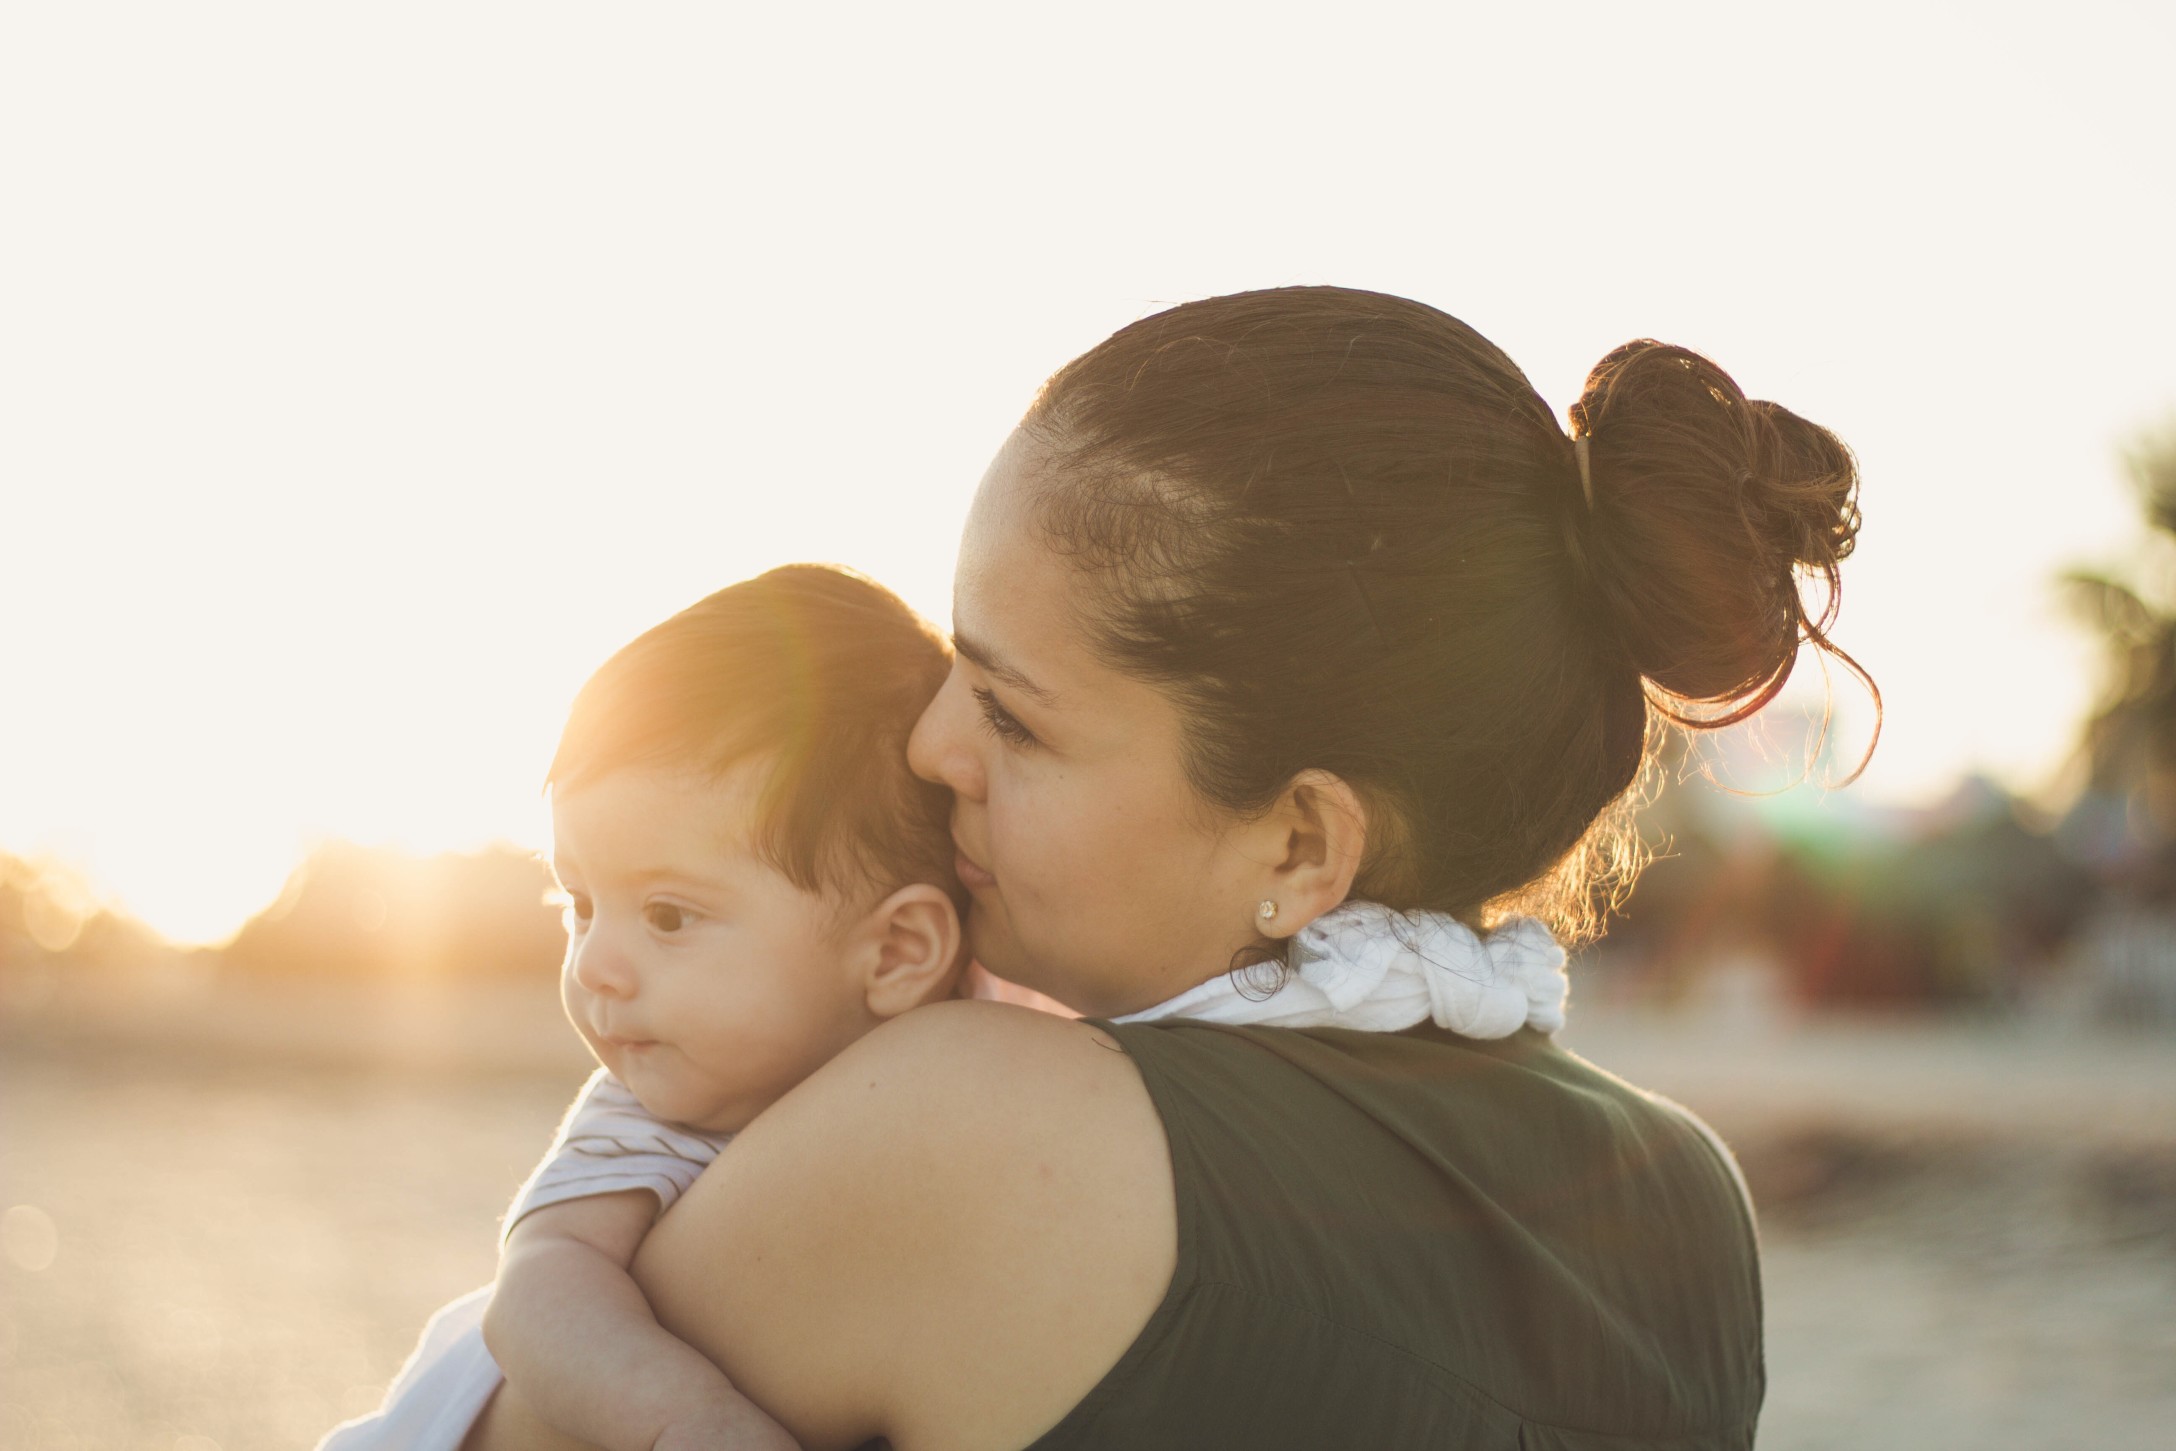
<point x="1001" y="722"/>
<point x="575" y="911"/>
<point x="664" y="917"/>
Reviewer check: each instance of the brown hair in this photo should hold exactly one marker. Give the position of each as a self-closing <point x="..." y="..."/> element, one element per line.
<point x="821" y="668"/>
<point x="1345" y="533"/>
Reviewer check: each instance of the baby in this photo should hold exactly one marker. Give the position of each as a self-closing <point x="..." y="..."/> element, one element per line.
<point x="753" y="879"/>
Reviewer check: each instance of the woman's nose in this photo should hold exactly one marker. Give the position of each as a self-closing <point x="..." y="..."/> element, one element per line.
<point x="943" y="746"/>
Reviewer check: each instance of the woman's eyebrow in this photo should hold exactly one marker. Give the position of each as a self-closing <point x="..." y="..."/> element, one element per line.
<point x="998" y="669"/>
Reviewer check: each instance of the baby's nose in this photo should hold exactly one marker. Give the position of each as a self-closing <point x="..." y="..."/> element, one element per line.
<point x="601" y="969"/>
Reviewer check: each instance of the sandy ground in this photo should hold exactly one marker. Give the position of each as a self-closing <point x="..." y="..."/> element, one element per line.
<point x="231" y="1209"/>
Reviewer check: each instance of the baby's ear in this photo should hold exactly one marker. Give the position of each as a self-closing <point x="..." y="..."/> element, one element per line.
<point x="908" y="949"/>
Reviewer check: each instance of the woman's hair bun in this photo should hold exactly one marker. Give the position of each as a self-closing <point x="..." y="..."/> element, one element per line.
<point x="1706" y="509"/>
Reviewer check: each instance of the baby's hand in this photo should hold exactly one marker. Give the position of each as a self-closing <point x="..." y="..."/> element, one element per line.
<point x="737" y="1426"/>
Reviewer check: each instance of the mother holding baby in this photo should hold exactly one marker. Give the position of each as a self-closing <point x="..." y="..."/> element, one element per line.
<point x="1306" y="669"/>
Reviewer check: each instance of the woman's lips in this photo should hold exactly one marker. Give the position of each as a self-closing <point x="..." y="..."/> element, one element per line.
<point x="972" y="876"/>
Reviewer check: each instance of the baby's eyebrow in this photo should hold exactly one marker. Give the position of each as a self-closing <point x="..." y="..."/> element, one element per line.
<point x="686" y="879"/>
<point x="1000" y="671"/>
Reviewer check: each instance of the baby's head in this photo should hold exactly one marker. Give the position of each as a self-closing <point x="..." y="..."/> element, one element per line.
<point x="754" y="878"/>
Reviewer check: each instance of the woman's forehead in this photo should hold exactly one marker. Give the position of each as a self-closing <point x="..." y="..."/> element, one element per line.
<point x="1013" y="595"/>
<point x="1003" y="506"/>
<point x="1021" y="610"/>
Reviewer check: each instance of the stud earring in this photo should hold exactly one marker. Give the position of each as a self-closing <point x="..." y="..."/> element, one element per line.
<point x="1267" y="911"/>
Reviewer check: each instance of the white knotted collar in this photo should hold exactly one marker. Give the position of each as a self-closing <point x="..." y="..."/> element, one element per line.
<point x="1365" y="966"/>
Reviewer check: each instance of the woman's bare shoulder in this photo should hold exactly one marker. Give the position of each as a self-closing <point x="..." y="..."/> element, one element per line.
<point x="945" y="1236"/>
<point x="964" y="1040"/>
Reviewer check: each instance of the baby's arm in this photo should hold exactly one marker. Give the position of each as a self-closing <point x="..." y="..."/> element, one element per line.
<point x="577" y="1339"/>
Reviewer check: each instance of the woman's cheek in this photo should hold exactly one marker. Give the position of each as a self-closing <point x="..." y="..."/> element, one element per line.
<point x="1010" y="812"/>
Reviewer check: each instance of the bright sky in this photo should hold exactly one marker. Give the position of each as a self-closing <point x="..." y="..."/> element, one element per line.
<point x="368" y="373"/>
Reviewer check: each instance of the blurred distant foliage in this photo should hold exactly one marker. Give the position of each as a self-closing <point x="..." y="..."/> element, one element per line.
<point x="355" y="910"/>
<point x="1964" y="904"/>
<point x="2128" y="747"/>
<point x="47" y="914"/>
<point x="347" y="910"/>
<point x="1970" y="903"/>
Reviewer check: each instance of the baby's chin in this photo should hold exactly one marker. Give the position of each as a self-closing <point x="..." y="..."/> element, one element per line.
<point x="706" y="1116"/>
<point x="660" y="1100"/>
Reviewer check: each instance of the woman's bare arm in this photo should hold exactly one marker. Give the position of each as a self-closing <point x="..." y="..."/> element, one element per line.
<point x="944" y="1237"/>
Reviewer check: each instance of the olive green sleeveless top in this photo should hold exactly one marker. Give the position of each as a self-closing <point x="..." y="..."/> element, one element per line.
<point x="1414" y="1239"/>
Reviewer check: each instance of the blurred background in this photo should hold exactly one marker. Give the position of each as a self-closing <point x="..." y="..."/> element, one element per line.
<point x="367" y="375"/>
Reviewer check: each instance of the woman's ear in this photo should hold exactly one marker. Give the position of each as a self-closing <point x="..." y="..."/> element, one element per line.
<point x="1323" y="833"/>
<point x="907" y="950"/>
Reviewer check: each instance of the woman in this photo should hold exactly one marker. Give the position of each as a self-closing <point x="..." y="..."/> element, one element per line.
<point x="1277" y="606"/>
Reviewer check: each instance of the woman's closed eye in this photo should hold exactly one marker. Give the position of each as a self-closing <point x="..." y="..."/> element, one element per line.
<point x="1001" y="722"/>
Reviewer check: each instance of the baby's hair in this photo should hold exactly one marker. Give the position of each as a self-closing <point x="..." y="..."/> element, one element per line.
<point x="818" y="668"/>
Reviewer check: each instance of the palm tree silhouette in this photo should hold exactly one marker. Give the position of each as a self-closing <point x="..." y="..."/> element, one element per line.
<point x="2128" y="746"/>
